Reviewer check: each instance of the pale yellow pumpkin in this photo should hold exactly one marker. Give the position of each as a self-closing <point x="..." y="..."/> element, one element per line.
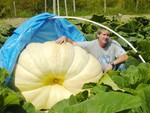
<point x="48" y="72"/>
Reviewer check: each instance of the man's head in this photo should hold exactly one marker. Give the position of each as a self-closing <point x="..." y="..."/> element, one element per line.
<point x="103" y="30"/>
<point x="103" y="36"/>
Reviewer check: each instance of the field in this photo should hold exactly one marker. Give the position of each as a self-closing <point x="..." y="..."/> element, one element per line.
<point x="118" y="91"/>
<point x="17" y="21"/>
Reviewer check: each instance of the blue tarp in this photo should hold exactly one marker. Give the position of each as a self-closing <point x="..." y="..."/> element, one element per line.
<point x="40" y="28"/>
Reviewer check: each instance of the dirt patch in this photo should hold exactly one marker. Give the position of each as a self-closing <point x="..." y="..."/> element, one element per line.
<point x="13" y="21"/>
<point x="127" y="17"/>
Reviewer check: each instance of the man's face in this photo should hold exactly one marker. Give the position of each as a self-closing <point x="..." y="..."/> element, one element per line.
<point x="104" y="37"/>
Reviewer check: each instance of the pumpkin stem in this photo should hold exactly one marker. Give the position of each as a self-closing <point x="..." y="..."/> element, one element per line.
<point x="53" y="79"/>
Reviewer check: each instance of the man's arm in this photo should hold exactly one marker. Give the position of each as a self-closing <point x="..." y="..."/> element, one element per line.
<point x="119" y="60"/>
<point x="64" y="39"/>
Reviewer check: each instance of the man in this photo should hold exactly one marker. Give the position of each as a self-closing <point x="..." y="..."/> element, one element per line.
<point x="109" y="52"/>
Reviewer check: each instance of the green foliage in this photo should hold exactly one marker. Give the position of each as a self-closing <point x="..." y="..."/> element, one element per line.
<point x="12" y="101"/>
<point x="99" y="18"/>
<point x="136" y="31"/>
<point x="134" y="81"/>
<point x="29" y="8"/>
<point x="122" y="92"/>
<point x="5" y="32"/>
<point x="144" y="49"/>
<point x="106" y="102"/>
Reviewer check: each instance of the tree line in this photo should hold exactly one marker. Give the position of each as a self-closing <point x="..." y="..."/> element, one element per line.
<point x="27" y="8"/>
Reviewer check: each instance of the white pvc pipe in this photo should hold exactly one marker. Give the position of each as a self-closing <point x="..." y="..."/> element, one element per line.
<point x="79" y="18"/>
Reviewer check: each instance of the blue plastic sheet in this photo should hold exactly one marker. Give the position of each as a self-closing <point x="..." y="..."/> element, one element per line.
<point x="40" y="28"/>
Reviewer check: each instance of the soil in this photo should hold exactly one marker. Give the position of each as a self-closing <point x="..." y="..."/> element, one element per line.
<point x="13" y="21"/>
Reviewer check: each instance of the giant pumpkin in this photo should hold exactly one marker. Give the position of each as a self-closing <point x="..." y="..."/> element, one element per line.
<point x="48" y="72"/>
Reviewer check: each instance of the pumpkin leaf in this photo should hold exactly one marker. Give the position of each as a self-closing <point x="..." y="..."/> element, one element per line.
<point x="108" y="81"/>
<point x="108" y="102"/>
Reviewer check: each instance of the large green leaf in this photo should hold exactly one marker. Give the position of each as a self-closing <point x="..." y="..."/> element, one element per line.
<point x="143" y="46"/>
<point x="90" y="37"/>
<point x="99" y="19"/>
<point x="136" y="75"/>
<point x="145" y="71"/>
<point x="107" y="102"/>
<point x="11" y="99"/>
<point x="106" y="79"/>
<point x="132" y="61"/>
<point x="29" y="108"/>
<point x="122" y="43"/>
<point x="143" y="90"/>
<point x="8" y="98"/>
<point x="131" y="76"/>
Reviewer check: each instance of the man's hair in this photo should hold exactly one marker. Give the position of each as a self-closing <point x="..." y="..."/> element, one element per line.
<point x="100" y="30"/>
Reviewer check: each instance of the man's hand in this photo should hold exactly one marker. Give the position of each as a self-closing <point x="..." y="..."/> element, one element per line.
<point x="61" y="40"/>
<point x="109" y="67"/>
<point x="64" y="39"/>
